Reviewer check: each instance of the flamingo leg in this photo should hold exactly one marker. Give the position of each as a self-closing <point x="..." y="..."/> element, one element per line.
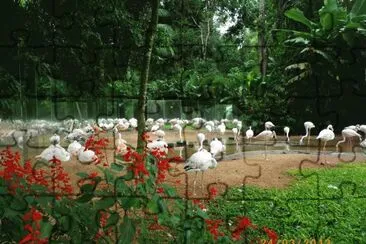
<point x="325" y="156"/>
<point x="194" y="183"/>
<point x="342" y="141"/>
<point x="265" y="149"/>
<point x="202" y="181"/>
<point x="309" y="138"/>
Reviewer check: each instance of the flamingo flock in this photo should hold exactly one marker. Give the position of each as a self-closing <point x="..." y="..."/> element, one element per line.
<point x="76" y="133"/>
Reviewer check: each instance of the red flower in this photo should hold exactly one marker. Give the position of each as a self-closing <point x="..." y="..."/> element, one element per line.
<point x="213" y="227"/>
<point x="213" y="192"/>
<point x="160" y="190"/>
<point x="244" y="223"/>
<point x="272" y="235"/>
<point x="93" y="175"/>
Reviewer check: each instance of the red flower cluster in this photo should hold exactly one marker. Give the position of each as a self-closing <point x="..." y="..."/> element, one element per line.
<point x="213" y="227"/>
<point x="33" y="217"/>
<point x="138" y="164"/>
<point x="60" y="179"/>
<point x="200" y="204"/>
<point x="102" y="223"/>
<point x="213" y="192"/>
<point x="272" y="235"/>
<point x="243" y="224"/>
<point x="57" y="180"/>
<point x="97" y="146"/>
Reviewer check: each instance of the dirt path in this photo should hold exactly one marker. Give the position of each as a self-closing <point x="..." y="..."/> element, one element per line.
<point x="234" y="170"/>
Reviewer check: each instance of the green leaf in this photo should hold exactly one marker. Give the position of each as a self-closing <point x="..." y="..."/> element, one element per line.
<point x="170" y="191"/>
<point x="82" y="174"/>
<point x="153" y="206"/>
<point x="358" y="8"/>
<point x="297" y="15"/>
<point x="65" y="222"/>
<point x="112" y="220"/>
<point x="38" y="188"/>
<point x="85" y="198"/>
<point x="117" y="167"/>
<point x="128" y="176"/>
<point x="330" y="6"/>
<point x="127" y="231"/>
<point x="46" y="229"/>
<point x="75" y="232"/>
<point x="326" y="20"/>
<point x="87" y="188"/>
<point x="128" y="202"/>
<point x="18" y="204"/>
<point x="104" y="203"/>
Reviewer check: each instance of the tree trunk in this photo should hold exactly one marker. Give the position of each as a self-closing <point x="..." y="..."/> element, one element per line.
<point x="262" y="40"/>
<point x="149" y="42"/>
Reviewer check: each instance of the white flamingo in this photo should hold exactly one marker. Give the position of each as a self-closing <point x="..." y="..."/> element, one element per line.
<point x="236" y="133"/>
<point x="348" y="133"/>
<point x="268" y="125"/>
<point x="286" y="129"/>
<point x="120" y="143"/>
<point x="249" y="133"/>
<point x="87" y="155"/>
<point x="159" y="133"/>
<point x="199" y="162"/>
<point x="133" y="122"/>
<point x="159" y="145"/>
<point x="54" y="150"/>
<point x="325" y="136"/>
<point x="266" y="134"/>
<point x="200" y="137"/>
<point x="308" y="126"/>
<point x="216" y="147"/>
<point x="74" y="148"/>
<point x="197" y="122"/>
<point x="179" y="128"/>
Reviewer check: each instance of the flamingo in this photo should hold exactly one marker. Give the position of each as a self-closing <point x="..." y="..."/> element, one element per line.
<point x="287" y="131"/>
<point x="159" y="133"/>
<point x="200" y="137"/>
<point x="325" y="136"/>
<point x="158" y="144"/>
<point x="87" y="155"/>
<point x="133" y="122"/>
<point x="308" y="126"/>
<point x="74" y="148"/>
<point x="348" y="133"/>
<point x="120" y="144"/>
<point x="249" y="133"/>
<point x="236" y="133"/>
<point x="216" y="147"/>
<point x="199" y="161"/>
<point x="197" y="122"/>
<point x="268" y="125"/>
<point x="266" y="134"/>
<point x="179" y="128"/>
<point x="54" y="150"/>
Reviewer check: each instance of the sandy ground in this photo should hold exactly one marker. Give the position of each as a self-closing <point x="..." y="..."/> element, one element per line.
<point x="235" y="169"/>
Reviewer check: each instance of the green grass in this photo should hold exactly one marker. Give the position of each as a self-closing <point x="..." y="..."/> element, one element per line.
<point x="321" y="203"/>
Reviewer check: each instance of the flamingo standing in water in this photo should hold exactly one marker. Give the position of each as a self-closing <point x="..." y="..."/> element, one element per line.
<point x="348" y="133"/>
<point x="325" y="136"/>
<point x="308" y="126"/>
<point x="266" y="134"/>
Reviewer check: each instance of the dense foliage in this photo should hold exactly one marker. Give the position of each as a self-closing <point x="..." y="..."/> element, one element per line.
<point x="266" y="58"/>
<point x="129" y="200"/>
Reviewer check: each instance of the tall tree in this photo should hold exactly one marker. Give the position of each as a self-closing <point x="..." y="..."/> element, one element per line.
<point x="149" y="42"/>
